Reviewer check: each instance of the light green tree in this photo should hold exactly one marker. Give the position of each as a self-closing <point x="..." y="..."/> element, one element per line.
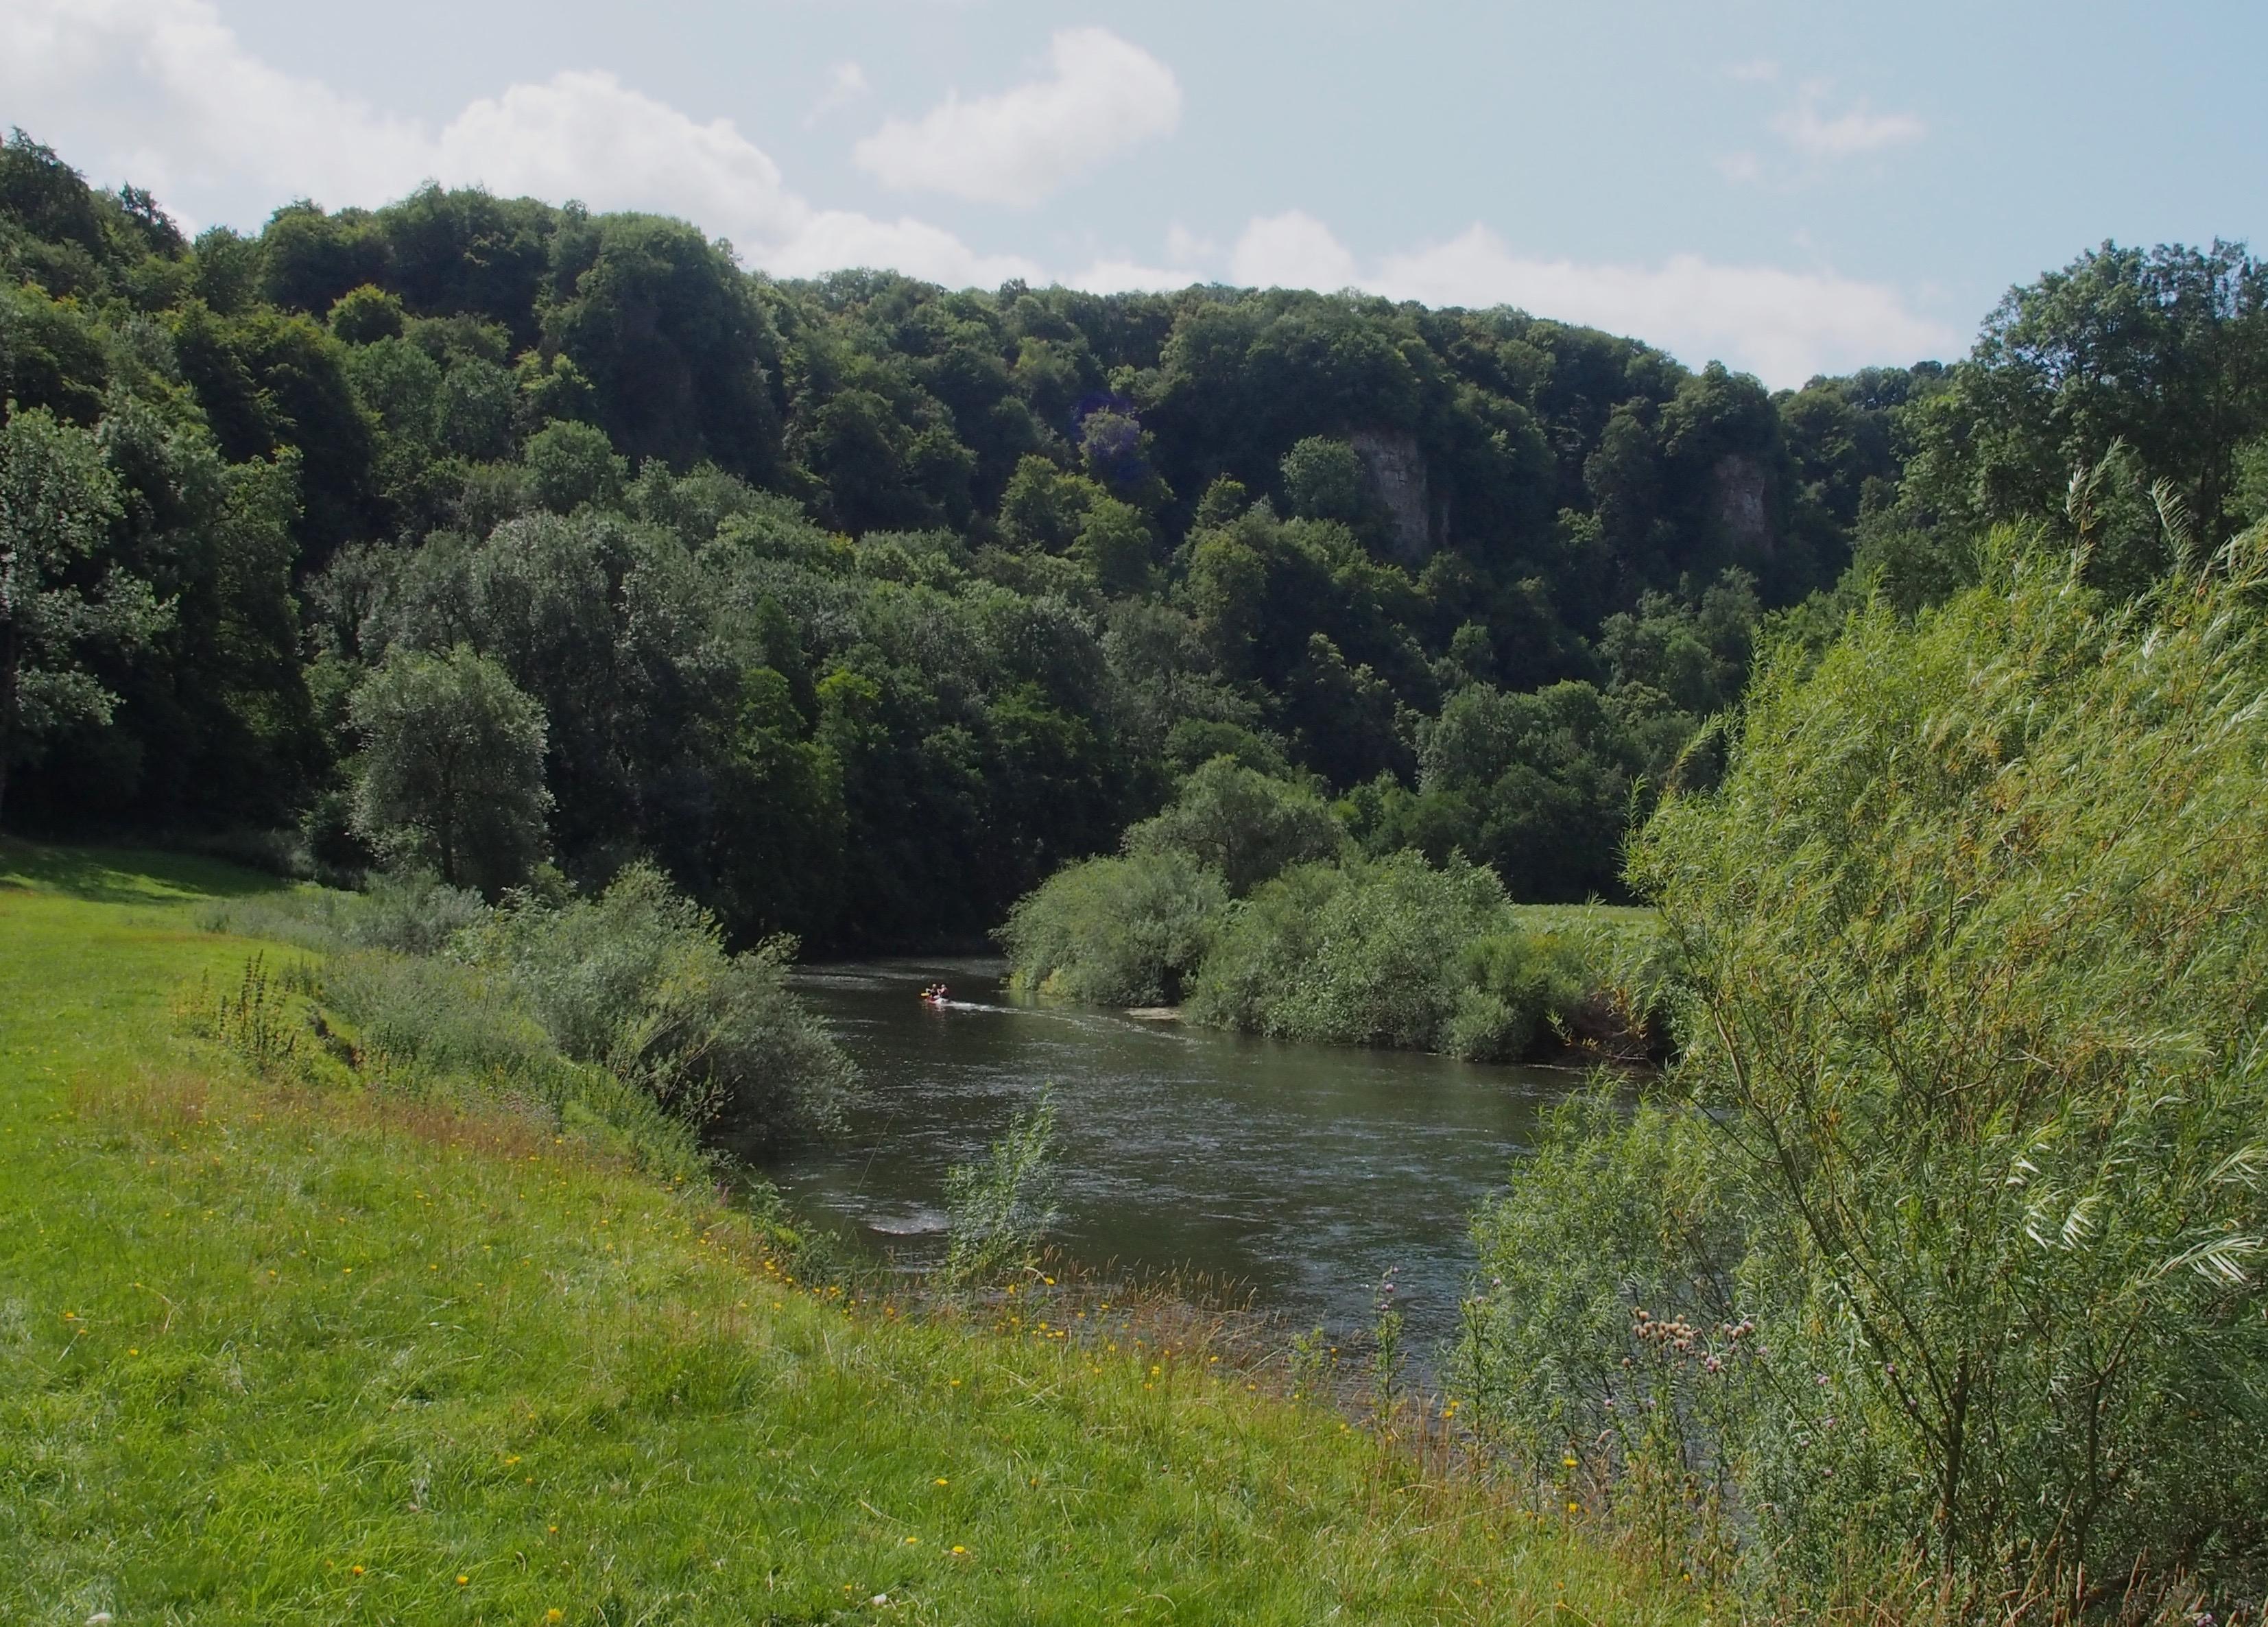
<point x="1244" y="825"/>
<point x="571" y="464"/>
<point x="452" y="768"/>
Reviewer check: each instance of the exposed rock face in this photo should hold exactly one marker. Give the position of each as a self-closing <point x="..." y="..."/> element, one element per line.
<point x="1743" y="505"/>
<point x="1395" y="470"/>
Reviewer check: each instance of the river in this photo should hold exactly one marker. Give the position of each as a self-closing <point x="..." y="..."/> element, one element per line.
<point x="1297" y="1173"/>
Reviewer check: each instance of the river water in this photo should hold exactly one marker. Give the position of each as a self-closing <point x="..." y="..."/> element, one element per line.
<point x="1297" y="1173"/>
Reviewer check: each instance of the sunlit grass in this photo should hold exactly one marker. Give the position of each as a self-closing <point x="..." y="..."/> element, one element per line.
<point x="284" y="1355"/>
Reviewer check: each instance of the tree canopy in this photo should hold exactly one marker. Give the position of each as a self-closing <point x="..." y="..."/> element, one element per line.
<point x="860" y="604"/>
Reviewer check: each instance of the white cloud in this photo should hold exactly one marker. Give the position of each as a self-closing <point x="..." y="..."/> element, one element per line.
<point x="1741" y="168"/>
<point x="1184" y="247"/>
<point x="1762" y="70"/>
<point x="1290" y="250"/>
<point x="1845" y="134"/>
<point x="166" y="85"/>
<point x="160" y="90"/>
<point x="164" y="91"/>
<point x="1188" y="259"/>
<point x="846" y="83"/>
<point x="834" y="239"/>
<point x="1782" y="326"/>
<point x="1102" y="96"/>
<point x="1116" y="276"/>
<point x="587" y="135"/>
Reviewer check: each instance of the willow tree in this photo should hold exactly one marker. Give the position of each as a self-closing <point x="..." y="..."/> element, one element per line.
<point x="1977" y="928"/>
<point x="451" y="771"/>
<point x="1974" y="1105"/>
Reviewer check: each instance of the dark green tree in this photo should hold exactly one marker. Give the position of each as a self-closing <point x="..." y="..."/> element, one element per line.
<point x="58" y="498"/>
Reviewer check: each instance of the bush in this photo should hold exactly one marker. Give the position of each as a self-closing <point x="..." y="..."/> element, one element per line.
<point x="1510" y="986"/>
<point x="1620" y="1361"/>
<point x="1362" y="952"/>
<point x="1002" y="1208"/>
<point x="1974" y="941"/>
<point x="416" y="914"/>
<point x="1115" y="932"/>
<point x="639" y="981"/>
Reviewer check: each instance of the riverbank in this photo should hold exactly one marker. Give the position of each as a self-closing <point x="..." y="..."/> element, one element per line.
<point x="284" y="1353"/>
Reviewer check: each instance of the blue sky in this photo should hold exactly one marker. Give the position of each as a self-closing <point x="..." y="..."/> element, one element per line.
<point x="1791" y="188"/>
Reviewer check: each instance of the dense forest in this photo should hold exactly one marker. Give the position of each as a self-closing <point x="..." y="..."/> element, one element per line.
<point x="858" y="604"/>
<point x="487" y="535"/>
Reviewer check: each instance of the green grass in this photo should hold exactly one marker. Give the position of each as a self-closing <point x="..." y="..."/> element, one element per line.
<point x="279" y="1354"/>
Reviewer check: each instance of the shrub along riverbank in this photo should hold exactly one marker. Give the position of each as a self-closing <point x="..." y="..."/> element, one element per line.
<point x="628" y="994"/>
<point x="296" y="1351"/>
<point x="1248" y="901"/>
<point x="1933" y="1270"/>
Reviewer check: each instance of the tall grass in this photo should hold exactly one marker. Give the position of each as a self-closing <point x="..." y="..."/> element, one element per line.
<point x="626" y="1007"/>
<point x="638" y="981"/>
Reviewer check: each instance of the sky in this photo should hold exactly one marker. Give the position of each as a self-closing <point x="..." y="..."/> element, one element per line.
<point x="1792" y="186"/>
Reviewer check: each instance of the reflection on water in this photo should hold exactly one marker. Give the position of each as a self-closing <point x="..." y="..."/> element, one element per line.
<point x="1299" y="1172"/>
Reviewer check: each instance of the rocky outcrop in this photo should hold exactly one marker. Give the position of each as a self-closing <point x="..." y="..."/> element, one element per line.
<point x="1395" y="470"/>
<point x="1744" y="504"/>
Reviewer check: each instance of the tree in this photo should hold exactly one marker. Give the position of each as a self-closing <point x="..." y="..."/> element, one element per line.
<point x="672" y="338"/>
<point x="1244" y="825"/>
<point x="1975" y="953"/>
<point x="1114" y="544"/>
<point x="312" y="259"/>
<point x="571" y="464"/>
<point x="452" y="768"/>
<point x="365" y="315"/>
<point x="1322" y="480"/>
<point x="2165" y="349"/>
<point x="58" y="498"/>
<point x="1043" y="508"/>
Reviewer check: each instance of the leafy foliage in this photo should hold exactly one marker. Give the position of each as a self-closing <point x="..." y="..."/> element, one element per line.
<point x="858" y="606"/>
<point x="1355" y="954"/>
<point x="1246" y="826"/>
<point x="452" y="768"/>
<point x="1116" y="931"/>
<point x="58" y="496"/>
<point x="1002" y="1208"/>
<point x="1970" y="1110"/>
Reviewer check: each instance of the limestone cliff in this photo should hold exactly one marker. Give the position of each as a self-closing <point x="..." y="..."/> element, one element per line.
<point x="1395" y="470"/>
<point x="1744" y="503"/>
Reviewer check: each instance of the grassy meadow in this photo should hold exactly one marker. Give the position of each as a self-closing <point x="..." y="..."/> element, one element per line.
<point x="279" y="1352"/>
